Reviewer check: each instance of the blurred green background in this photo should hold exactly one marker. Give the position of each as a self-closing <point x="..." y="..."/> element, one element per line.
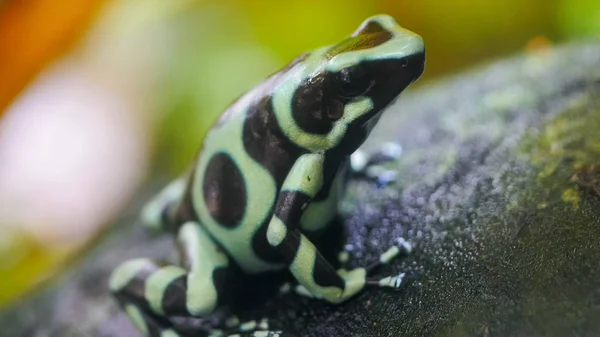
<point x="97" y="97"/>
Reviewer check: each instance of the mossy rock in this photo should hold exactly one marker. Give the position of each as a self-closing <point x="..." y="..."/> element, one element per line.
<point x="498" y="189"/>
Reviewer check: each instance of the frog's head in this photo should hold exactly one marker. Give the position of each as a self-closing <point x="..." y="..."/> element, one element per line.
<point x="334" y="95"/>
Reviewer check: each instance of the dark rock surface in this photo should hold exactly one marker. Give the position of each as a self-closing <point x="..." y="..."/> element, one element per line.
<point x="498" y="189"/>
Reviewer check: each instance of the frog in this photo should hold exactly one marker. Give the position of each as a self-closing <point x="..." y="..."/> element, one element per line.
<point x="268" y="176"/>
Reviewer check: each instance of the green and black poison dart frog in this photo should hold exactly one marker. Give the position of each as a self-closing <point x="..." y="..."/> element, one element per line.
<point x="270" y="173"/>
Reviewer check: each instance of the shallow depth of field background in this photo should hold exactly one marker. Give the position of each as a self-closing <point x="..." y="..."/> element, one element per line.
<point x="96" y="96"/>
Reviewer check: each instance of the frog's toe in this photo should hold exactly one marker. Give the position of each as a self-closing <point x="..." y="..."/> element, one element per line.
<point x="391" y="281"/>
<point x="404" y="245"/>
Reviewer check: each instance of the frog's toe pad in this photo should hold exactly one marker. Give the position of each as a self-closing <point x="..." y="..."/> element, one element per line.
<point x="392" y="281"/>
<point x="404" y="245"/>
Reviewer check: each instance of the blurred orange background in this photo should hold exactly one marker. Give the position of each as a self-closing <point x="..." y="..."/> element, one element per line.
<point x="95" y="96"/>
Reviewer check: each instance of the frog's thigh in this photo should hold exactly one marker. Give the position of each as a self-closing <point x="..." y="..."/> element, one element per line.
<point x="149" y="289"/>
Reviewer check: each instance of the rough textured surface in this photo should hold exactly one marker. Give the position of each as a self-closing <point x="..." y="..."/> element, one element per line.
<point x="498" y="189"/>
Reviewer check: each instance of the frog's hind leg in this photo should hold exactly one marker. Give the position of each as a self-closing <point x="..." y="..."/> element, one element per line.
<point x="159" y="212"/>
<point x="151" y="292"/>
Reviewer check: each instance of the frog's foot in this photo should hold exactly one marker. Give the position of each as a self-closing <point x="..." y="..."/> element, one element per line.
<point x="233" y="328"/>
<point x="131" y="285"/>
<point x="151" y="291"/>
<point x="387" y="282"/>
<point x="147" y="323"/>
<point x="256" y="333"/>
<point x="370" y="167"/>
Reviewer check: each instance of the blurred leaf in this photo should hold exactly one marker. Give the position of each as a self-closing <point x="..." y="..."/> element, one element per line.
<point x="24" y="263"/>
<point x="296" y="26"/>
<point x="579" y="18"/>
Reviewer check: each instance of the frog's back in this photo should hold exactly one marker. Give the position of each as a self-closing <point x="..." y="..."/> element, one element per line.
<point x="239" y="171"/>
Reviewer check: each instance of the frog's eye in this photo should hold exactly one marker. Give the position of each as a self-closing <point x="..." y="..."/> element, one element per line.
<point x="353" y="82"/>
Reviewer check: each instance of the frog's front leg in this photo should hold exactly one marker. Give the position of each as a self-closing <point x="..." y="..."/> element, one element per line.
<point x="371" y="166"/>
<point x="150" y="291"/>
<point x="400" y="246"/>
<point x="316" y="275"/>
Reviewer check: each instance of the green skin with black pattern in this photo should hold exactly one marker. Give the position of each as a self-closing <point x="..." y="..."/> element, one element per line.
<point x="270" y="172"/>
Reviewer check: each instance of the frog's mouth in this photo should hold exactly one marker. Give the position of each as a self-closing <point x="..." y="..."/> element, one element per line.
<point x="367" y="121"/>
<point x="358" y="130"/>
